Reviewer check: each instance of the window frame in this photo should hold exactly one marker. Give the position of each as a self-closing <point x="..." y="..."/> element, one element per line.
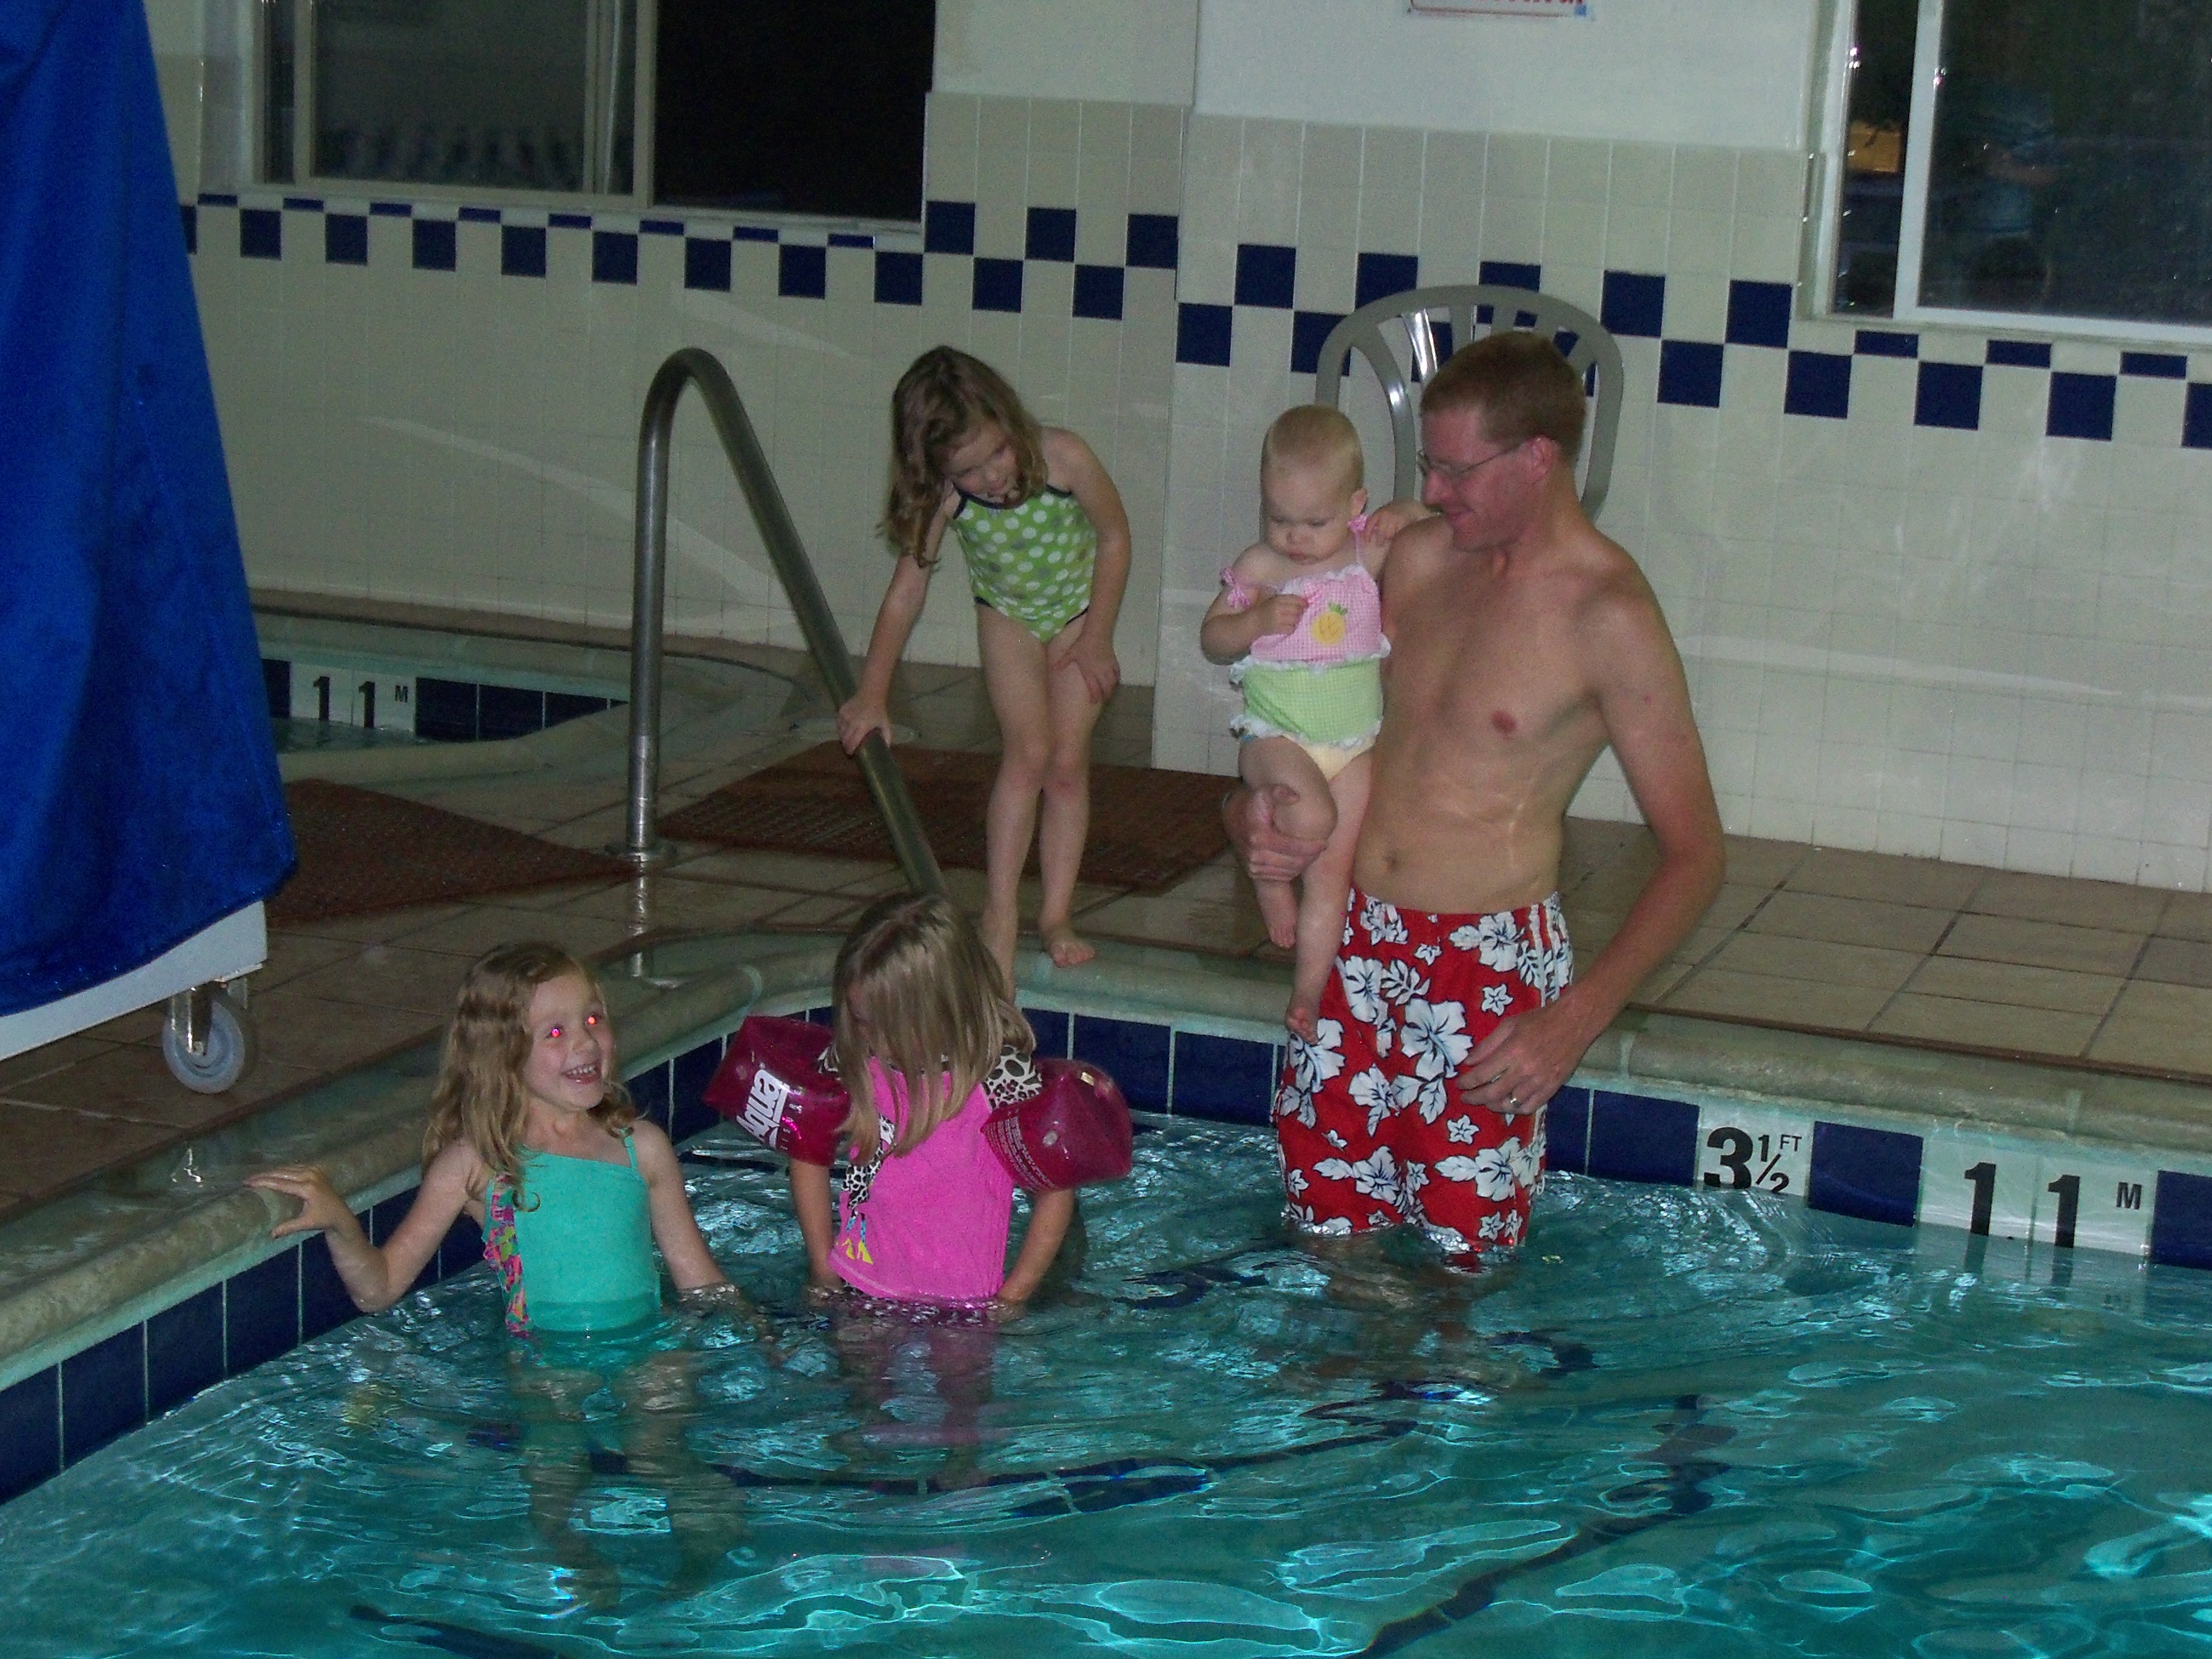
<point x="1907" y="311"/>
<point x="638" y="200"/>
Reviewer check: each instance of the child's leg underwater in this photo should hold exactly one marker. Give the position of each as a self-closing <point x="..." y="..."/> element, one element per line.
<point x="1307" y="811"/>
<point x="1322" y="894"/>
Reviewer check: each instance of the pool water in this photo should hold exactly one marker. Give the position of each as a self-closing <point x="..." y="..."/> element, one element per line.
<point x="1686" y="1422"/>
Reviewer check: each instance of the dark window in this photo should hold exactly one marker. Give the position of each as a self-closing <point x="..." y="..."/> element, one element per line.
<point x="793" y="106"/>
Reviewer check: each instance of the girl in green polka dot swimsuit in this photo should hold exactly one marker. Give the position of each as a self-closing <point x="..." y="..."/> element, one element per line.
<point x="1046" y="543"/>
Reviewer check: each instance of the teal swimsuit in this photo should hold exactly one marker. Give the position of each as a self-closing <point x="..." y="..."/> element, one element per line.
<point x="1031" y="562"/>
<point x="577" y="1254"/>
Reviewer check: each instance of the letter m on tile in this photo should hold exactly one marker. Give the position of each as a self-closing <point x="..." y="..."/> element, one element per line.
<point x="2128" y="1196"/>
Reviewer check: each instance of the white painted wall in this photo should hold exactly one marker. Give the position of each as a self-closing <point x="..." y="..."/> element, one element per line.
<point x="1731" y="72"/>
<point x="1136" y="51"/>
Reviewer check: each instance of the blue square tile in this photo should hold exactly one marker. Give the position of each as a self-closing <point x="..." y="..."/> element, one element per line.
<point x="1643" y="1138"/>
<point x="509" y="711"/>
<point x="754" y="234"/>
<point x="649" y="1091"/>
<point x="461" y="1249"/>
<point x="707" y="264"/>
<point x="852" y="239"/>
<point x="689" y="1074"/>
<point x="188" y="214"/>
<point x="948" y="228"/>
<point x="1132" y="1053"/>
<point x="1381" y="275"/>
<point x="2196" y="418"/>
<point x="1202" y="335"/>
<point x="261" y="1313"/>
<point x="480" y="215"/>
<point x="898" y="277"/>
<point x="1228" y="1079"/>
<point x="522" y="249"/>
<point x="1098" y="292"/>
<point x="445" y="710"/>
<point x="1154" y="241"/>
<point x="384" y="1218"/>
<point x="1050" y="1027"/>
<point x="277" y="687"/>
<point x="218" y="198"/>
<point x="325" y="1303"/>
<point x="183" y="1350"/>
<point x="304" y="204"/>
<point x="1759" y="313"/>
<point x="404" y="211"/>
<point x="103" y="1393"/>
<point x="1634" y="304"/>
<point x="437" y="245"/>
<point x="824" y="1015"/>
<point x="661" y="226"/>
<point x="1310" y="332"/>
<point x="569" y="221"/>
<point x="1818" y="383"/>
<point x="614" y="256"/>
<point x="1508" y="273"/>
<point x="1949" y="395"/>
<point x="2082" y="405"/>
<point x="1051" y="236"/>
<point x="1880" y="343"/>
<point x="802" y="272"/>
<point x="2181" y="1220"/>
<point x="1871" y="1173"/>
<point x="2018" y="354"/>
<point x="2155" y="365"/>
<point x="1566" y="1131"/>
<point x="30" y="1432"/>
<point x="561" y="707"/>
<point x="345" y="239"/>
<point x="1690" y="372"/>
<point x="260" y="234"/>
<point x="1266" y="275"/>
<point x="997" y="285"/>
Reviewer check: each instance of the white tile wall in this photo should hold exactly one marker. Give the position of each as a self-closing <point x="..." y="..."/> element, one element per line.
<point x="1985" y="645"/>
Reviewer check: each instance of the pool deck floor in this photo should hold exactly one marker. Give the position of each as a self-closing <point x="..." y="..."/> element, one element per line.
<point x="1904" y="950"/>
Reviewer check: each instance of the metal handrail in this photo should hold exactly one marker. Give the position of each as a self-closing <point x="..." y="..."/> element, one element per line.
<point x="693" y="367"/>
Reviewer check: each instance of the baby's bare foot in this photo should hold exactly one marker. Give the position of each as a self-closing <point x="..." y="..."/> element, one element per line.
<point x="1278" y="908"/>
<point x="1067" y="947"/>
<point x="1301" y="1015"/>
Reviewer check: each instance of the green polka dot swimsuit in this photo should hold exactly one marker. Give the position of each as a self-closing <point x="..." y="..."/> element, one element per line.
<point x="1031" y="562"/>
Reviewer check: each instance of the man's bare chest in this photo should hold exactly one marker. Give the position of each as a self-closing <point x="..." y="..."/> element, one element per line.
<point x="1486" y="674"/>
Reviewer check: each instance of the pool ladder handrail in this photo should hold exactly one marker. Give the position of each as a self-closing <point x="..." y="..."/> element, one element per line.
<point x="691" y="366"/>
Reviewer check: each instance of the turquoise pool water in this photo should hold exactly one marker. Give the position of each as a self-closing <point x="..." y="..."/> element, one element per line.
<point x="1687" y="1422"/>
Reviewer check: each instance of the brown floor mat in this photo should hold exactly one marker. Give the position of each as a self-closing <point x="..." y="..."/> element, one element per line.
<point x="361" y="851"/>
<point x="1149" y="829"/>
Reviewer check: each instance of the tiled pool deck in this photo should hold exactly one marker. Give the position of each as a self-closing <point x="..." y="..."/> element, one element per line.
<point x="1909" y="950"/>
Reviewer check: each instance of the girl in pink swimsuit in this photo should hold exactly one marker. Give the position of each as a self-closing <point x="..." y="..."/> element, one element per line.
<point x="1300" y="621"/>
<point x="930" y="1041"/>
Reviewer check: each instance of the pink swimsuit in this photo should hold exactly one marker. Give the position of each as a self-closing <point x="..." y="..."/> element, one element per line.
<point x="1321" y="685"/>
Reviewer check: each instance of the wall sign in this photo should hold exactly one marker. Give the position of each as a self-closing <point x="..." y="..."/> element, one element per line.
<point x="1501" y="8"/>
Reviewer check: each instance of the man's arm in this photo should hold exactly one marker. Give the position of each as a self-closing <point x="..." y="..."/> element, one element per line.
<point x="1644" y="703"/>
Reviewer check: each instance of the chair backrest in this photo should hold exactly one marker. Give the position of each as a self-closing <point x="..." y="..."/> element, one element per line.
<point x="1433" y="322"/>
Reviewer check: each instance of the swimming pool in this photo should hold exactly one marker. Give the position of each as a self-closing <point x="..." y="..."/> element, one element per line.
<point x="1687" y="1420"/>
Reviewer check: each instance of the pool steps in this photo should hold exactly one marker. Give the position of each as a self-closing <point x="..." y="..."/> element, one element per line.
<point x="124" y="1297"/>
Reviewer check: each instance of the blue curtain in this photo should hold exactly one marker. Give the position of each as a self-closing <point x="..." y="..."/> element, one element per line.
<point x="139" y="799"/>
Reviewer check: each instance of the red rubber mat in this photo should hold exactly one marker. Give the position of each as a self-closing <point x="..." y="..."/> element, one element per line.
<point x="1149" y="829"/>
<point x="360" y="852"/>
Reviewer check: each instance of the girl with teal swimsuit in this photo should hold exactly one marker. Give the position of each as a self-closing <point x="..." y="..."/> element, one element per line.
<point x="531" y="1133"/>
<point x="1046" y="542"/>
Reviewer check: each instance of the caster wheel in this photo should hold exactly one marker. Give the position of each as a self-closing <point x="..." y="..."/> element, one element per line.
<point x="228" y="1053"/>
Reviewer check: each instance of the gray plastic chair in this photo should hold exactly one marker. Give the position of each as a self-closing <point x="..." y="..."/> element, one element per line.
<point x="1420" y="314"/>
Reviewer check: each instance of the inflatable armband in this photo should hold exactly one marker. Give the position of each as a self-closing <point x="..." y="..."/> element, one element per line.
<point x="772" y="1084"/>
<point x="1073" y="1132"/>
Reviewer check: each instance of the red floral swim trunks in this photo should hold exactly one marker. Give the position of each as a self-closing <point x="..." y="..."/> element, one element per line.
<point x="1371" y="1125"/>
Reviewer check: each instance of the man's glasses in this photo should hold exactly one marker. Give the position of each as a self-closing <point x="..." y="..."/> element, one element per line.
<point x="1457" y="473"/>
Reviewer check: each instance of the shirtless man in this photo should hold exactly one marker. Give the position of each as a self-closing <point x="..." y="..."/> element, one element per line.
<point x="1522" y="642"/>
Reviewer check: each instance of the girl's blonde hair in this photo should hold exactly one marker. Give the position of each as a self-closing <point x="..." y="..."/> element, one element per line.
<point x="938" y="1015"/>
<point x="479" y="1098"/>
<point x="944" y="395"/>
<point x="1317" y="436"/>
